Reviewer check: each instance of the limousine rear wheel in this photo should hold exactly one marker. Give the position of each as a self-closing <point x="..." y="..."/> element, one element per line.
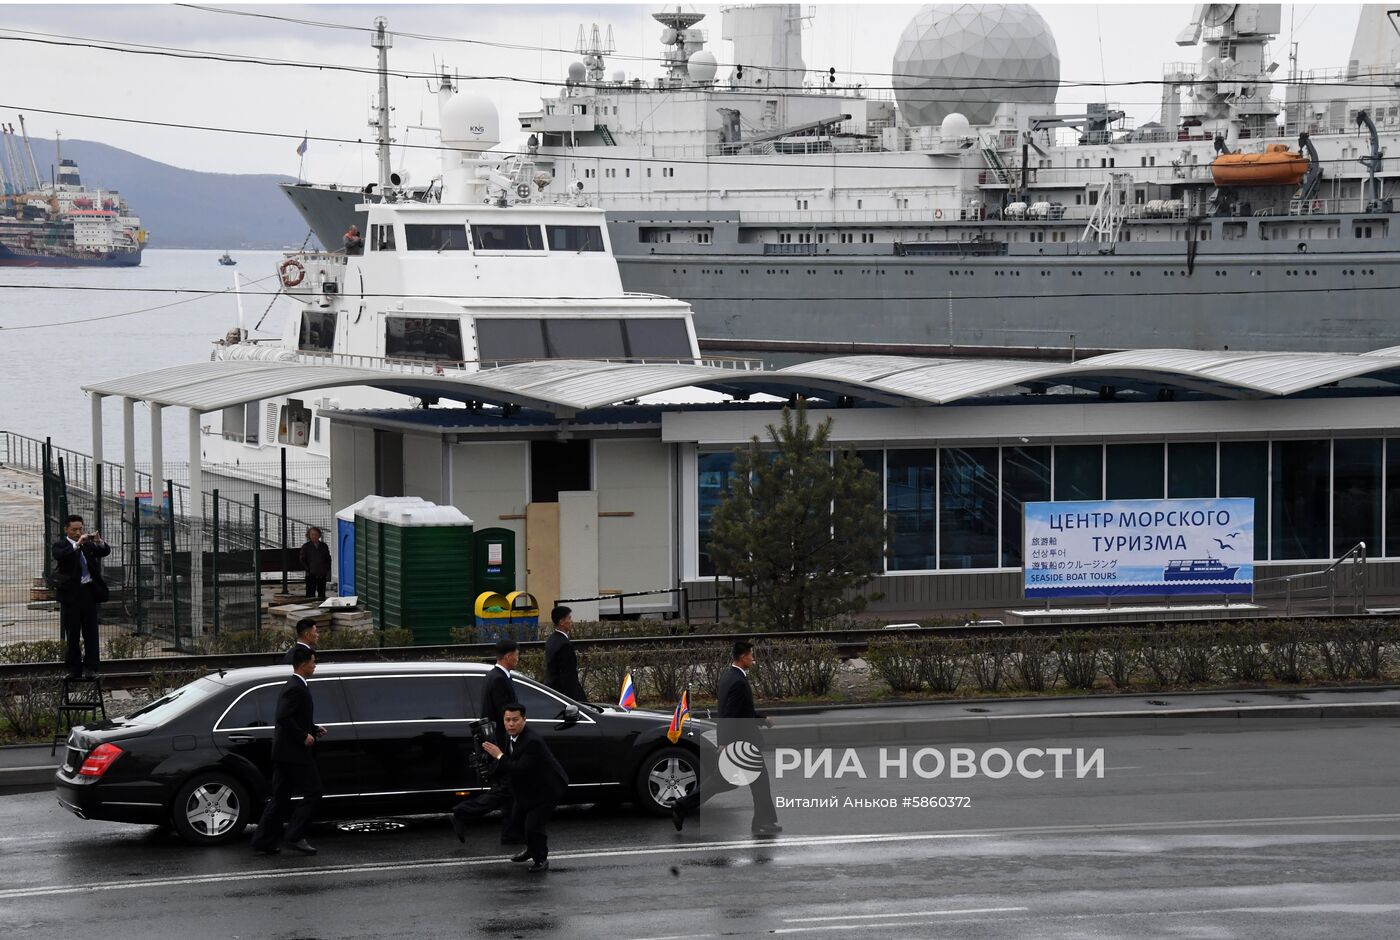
<point x="665" y="776"/>
<point x="211" y="808"/>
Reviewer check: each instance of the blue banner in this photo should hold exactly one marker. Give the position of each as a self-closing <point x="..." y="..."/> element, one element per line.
<point x="1139" y="547"/>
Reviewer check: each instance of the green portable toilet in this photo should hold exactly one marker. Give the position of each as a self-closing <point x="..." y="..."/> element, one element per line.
<point x="495" y="560"/>
<point x="427" y="569"/>
<point x="369" y="553"/>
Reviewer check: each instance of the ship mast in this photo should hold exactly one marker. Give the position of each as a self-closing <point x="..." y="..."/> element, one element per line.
<point x="38" y="180"/>
<point x="381" y="40"/>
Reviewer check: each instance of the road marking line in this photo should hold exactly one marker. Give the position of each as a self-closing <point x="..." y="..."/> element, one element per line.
<point x="975" y="910"/>
<point x="693" y="848"/>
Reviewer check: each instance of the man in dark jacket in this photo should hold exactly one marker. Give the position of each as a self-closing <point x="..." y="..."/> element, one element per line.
<point x="316" y="562"/>
<point x="560" y="660"/>
<point x="498" y="693"/>
<point x="739" y="723"/>
<point x="307" y="634"/>
<point x="293" y="763"/>
<point x="79" y="588"/>
<point x="536" y="779"/>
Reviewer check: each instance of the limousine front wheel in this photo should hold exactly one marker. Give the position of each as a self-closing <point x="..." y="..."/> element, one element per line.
<point x="664" y="777"/>
<point x="211" y="808"/>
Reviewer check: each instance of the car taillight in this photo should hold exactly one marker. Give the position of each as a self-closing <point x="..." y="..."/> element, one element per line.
<point x="100" y="760"/>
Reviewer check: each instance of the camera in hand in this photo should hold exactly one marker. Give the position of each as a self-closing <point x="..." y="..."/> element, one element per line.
<point x="483" y="730"/>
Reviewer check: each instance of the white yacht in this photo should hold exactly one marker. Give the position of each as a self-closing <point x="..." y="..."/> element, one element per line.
<point x="478" y="278"/>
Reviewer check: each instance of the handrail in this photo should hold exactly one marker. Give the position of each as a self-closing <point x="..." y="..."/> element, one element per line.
<point x="1356" y="555"/>
<point x="469" y="366"/>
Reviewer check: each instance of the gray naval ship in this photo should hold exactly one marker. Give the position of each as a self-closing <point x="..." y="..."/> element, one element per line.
<point x="962" y="214"/>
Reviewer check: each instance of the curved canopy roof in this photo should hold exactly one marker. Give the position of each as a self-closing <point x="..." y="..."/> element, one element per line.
<point x="567" y="386"/>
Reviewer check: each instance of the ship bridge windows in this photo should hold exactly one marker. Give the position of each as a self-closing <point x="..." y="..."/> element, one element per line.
<point x="381" y="238"/>
<point x="507" y="238"/>
<point x="317" y="332"/>
<point x="423" y="339"/>
<point x="452" y="237"/>
<point x="574" y="237"/>
<point x="591" y="338"/>
<point x="241" y="422"/>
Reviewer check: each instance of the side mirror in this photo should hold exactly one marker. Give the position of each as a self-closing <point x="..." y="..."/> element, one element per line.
<point x="570" y="715"/>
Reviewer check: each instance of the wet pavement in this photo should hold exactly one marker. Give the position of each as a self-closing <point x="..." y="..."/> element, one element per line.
<point x="1271" y="832"/>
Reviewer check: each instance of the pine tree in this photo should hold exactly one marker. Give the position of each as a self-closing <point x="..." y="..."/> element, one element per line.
<point x="803" y="529"/>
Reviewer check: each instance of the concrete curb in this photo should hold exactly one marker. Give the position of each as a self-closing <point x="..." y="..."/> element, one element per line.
<point x="30" y="765"/>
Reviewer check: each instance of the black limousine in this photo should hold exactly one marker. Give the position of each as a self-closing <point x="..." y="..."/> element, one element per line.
<point x="399" y="740"/>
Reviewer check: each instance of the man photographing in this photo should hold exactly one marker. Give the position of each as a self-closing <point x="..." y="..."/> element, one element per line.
<point x="536" y="779"/>
<point x="79" y="588"/>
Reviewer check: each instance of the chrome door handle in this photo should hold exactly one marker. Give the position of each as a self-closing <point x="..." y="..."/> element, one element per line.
<point x="241" y="739"/>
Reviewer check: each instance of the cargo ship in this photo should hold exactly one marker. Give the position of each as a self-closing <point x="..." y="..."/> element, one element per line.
<point x="61" y="223"/>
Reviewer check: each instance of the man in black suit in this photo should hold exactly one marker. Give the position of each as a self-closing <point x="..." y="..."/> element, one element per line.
<point x="293" y="763"/>
<point x="738" y="721"/>
<point x="307" y="635"/>
<point x="536" y="780"/>
<point x="560" y="660"/>
<point x="499" y="692"/>
<point x="79" y="588"/>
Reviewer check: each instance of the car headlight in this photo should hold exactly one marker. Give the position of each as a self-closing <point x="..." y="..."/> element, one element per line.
<point x="712" y="736"/>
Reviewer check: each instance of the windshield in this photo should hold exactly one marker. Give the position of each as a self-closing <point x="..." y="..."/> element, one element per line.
<point x="175" y="703"/>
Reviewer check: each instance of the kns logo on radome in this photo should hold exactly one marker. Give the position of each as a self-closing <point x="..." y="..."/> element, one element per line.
<point x="478" y="129"/>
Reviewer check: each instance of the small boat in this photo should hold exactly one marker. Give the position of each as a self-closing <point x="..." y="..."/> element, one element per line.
<point x="226" y="260"/>
<point x="1199" y="569"/>
<point x="1276" y="166"/>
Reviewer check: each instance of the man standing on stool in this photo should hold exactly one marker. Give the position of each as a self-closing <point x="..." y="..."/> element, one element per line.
<point x="79" y="587"/>
<point x="738" y="721"/>
<point x="536" y="781"/>
<point x="293" y="763"/>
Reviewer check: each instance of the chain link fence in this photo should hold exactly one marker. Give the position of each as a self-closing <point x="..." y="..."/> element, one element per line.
<point x="247" y="541"/>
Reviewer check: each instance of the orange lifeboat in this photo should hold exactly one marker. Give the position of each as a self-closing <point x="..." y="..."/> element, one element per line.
<point x="1276" y="166"/>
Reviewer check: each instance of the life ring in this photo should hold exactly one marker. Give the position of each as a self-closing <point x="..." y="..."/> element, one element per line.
<point x="523" y="190"/>
<point x="938" y="213"/>
<point x="292" y="271"/>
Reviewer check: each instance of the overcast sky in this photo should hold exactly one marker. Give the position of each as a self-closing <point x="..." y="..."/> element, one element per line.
<point x="1117" y="41"/>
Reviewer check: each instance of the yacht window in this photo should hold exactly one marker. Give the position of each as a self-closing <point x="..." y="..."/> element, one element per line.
<point x="381" y="237"/>
<point x="657" y="339"/>
<point x="317" y="331"/>
<point x="510" y="339"/>
<point x="585" y="339"/>
<point x="575" y="237"/>
<point x="250" y="423"/>
<point x="436" y="237"/>
<point x="423" y="338"/>
<point x="507" y="238"/>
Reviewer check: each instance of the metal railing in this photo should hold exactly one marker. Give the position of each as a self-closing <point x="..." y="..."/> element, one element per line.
<point x="1348" y="572"/>
<point x="461" y="367"/>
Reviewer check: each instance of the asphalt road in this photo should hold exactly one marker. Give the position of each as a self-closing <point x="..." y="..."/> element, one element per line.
<point x="1277" y="833"/>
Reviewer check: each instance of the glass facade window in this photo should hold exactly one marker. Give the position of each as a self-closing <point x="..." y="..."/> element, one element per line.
<point x="874" y="461"/>
<point x="574" y="237"/>
<point x="712" y="478"/>
<point x="423" y="338"/>
<point x="1191" y="470"/>
<point x="1078" y="472"/>
<point x="1356" y="494"/>
<point x="1300" y="507"/>
<point x="1244" y="472"/>
<point x="435" y="237"/>
<point x="507" y="238"/>
<point x="1133" y="471"/>
<point x="969" y="501"/>
<point x="911" y="500"/>
<point x="1025" y="478"/>
<point x="1392" y="497"/>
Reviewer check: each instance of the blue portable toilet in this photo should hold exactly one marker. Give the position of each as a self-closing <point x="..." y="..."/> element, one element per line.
<point x="345" y="546"/>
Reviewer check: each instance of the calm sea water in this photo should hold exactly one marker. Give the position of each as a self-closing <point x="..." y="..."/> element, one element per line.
<point x="55" y="336"/>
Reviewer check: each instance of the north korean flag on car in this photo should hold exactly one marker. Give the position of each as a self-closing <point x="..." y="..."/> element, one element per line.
<point x="679" y="718"/>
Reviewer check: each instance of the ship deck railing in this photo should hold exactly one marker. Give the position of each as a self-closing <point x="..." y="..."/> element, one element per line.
<point x="469" y="366"/>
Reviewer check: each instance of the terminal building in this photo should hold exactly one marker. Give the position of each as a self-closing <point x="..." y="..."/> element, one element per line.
<point x="608" y="494"/>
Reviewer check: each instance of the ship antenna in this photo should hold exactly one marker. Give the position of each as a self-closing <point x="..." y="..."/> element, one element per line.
<point x="382" y="40"/>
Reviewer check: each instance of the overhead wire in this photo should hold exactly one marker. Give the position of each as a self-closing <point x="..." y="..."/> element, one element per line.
<point x="199" y="295"/>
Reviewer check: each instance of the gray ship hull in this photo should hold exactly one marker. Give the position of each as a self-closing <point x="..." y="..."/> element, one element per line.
<point x="989" y="291"/>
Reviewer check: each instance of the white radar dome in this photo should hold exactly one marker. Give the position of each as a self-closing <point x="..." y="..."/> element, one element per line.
<point x="470" y="122"/>
<point x="669" y="36"/>
<point x="955" y="127"/>
<point x="971" y="58"/>
<point x="619" y="76"/>
<point x="701" y="66"/>
<point x="577" y="71"/>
